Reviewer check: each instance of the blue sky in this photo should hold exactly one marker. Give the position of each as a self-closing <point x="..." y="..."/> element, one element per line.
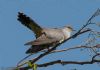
<point x="47" y="13"/>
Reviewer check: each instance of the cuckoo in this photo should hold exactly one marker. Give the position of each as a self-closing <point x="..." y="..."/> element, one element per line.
<point x="45" y="37"/>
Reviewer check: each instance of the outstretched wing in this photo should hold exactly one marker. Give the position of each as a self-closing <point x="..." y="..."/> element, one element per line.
<point x="31" y="24"/>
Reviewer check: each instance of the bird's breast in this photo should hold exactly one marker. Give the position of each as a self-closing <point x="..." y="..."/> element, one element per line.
<point x="66" y="34"/>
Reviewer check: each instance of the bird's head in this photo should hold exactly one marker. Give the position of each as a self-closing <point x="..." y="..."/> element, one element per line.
<point x="69" y="28"/>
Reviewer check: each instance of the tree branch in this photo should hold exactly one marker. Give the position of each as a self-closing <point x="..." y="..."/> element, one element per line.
<point x="78" y="47"/>
<point x="42" y="55"/>
<point x="70" y="62"/>
<point x="53" y="48"/>
<point x="65" y="63"/>
<point x="79" y="32"/>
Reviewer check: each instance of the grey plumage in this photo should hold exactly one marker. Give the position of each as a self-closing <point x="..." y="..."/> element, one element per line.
<point x="45" y="37"/>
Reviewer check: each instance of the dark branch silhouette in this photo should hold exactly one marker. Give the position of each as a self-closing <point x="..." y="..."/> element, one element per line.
<point x="82" y="30"/>
<point x="70" y="62"/>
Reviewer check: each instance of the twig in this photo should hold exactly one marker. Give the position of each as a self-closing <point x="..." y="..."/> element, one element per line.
<point x="68" y="62"/>
<point x="42" y="55"/>
<point x="53" y="48"/>
<point x="23" y="60"/>
<point x="89" y="21"/>
<point x="78" y="47"/>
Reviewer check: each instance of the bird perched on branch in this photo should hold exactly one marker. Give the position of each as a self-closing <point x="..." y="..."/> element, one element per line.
<point x="45" y="37"/>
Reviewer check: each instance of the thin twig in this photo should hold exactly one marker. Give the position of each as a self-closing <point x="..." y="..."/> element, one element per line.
<point x="80" y="31"/>
<point x="70" y="62"/>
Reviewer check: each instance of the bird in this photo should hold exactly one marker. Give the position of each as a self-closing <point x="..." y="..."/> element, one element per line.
<point x="45" y="37"/>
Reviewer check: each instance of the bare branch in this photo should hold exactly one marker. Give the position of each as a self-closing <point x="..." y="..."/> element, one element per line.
<point x="46" y="53"/>
<point x="67" y="62"/>
<point x="89" y="21"/>
<point x="79" y="32"/>
<point x="78" y="47"/>
<point x="42" y="55"/>
<point x="70" y="62"/>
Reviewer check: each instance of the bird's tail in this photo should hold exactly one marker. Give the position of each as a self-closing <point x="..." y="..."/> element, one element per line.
<point x="25" y="20"/>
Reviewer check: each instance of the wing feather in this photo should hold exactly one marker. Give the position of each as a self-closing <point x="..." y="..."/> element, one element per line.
<point x="29" y="23"/>
<point x="42" y="40"/>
